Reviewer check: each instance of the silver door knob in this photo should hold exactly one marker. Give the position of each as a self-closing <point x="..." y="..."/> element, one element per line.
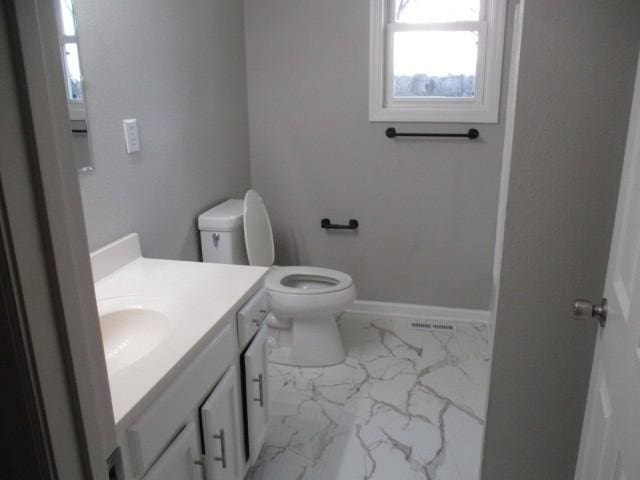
<point x="586" y="310"/>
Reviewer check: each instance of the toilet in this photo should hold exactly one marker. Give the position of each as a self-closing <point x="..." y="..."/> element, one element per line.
<point x="305" y="301"/>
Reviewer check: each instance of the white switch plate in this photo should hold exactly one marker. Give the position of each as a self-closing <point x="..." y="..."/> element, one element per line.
<point x="131" y="138"/>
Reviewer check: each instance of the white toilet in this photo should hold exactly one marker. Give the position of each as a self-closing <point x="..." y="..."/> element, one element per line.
<point x="304" y="300"/>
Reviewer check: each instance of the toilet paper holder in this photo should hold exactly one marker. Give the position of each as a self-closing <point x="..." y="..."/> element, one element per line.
<point x="326" y="223"/>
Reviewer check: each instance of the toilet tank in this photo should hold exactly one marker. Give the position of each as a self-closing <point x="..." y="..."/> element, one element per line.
<point x="222" y="234"/>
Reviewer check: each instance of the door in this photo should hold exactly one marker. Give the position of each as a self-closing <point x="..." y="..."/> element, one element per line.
<point x="257" y="401"/>
<point x="611" y="429"/>
<point x="178" y="462"/>
<point x="50" y="256"/>
<point x="220" y="416"/>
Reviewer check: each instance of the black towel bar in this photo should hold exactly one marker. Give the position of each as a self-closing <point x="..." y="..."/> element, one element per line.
<point x="472" y="134"/>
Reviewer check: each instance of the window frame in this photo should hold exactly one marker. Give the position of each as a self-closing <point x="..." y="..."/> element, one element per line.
<point x="483" y="108"/>
<point x="76" y="107"/>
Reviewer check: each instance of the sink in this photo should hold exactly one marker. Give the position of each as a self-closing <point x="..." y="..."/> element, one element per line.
<point x="132" y="327"/>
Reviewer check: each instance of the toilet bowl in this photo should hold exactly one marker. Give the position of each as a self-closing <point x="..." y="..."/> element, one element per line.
<point x="307" y="300"/>
<point x="304" y="299"/>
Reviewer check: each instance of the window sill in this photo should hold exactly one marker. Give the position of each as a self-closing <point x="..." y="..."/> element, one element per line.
<point x="418" y="115"/>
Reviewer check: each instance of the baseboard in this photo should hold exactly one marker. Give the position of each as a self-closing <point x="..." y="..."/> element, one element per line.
<point x="406" y="310"/>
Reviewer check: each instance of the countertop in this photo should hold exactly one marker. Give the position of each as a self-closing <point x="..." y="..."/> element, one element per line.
<point x="207" y="293"/>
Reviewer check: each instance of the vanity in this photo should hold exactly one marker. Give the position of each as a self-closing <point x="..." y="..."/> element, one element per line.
<point x="187" y="363"/>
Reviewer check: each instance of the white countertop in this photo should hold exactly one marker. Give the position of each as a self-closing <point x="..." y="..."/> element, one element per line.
<point x="206" y="292"/>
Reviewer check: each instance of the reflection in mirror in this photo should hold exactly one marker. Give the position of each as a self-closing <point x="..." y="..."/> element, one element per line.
<point x="69" y="49"/>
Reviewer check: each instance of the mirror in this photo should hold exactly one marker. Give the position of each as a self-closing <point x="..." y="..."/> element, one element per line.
<point x="70" y="52"/>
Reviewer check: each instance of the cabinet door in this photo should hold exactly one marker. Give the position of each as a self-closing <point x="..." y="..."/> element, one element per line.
<point x="178" y="462"/>
<point x="257" y="394"/>
<point x="220" y="416"/>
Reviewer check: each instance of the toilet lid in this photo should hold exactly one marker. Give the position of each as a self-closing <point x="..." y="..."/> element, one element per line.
<point x="258" y="236"/>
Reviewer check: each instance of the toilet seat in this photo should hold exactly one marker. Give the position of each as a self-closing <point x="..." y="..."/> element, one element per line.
<point x="306" y="280"/>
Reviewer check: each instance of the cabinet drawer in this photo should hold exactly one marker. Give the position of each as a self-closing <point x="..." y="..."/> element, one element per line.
<point x="250" y="317"/>
<point x="150" y="434"/>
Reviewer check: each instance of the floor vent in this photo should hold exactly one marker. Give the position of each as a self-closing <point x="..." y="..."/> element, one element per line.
<point x="432" y="326"/>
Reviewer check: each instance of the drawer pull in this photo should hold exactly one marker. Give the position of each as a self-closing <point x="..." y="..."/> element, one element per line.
<point x="223" y="452"/>
<point x="260" y="391"/>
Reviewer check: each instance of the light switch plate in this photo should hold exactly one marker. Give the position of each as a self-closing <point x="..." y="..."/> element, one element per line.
<point x="131" y="138"/>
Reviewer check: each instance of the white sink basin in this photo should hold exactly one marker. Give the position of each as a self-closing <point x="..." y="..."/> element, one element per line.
<point x="132" y="327"/>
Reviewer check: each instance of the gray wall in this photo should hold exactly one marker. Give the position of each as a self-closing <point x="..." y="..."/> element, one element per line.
<point x="578" y="61"/>
<point x="179" y="68"/>
<point x="427" y="209"/>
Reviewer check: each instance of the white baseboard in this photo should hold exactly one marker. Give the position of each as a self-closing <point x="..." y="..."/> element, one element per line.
<point x="406" y="310"/>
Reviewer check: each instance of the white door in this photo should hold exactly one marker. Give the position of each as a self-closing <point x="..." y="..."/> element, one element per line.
<point x="220" y="417"/>
<point x="178" y="462"/>
<point x="610" y="444"/>
<point x="257" y="401"/>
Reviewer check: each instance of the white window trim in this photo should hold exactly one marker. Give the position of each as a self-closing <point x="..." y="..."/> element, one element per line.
<point x="484" y="108"/>
<point x="77" y="109"/>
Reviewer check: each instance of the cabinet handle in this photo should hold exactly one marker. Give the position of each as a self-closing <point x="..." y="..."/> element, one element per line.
<point x="260" y="391"/>
<point x="256" y="321"/>
<point x="223" y="453"/>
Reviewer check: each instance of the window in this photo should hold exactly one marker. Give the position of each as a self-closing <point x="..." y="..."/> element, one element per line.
<point x="436" y="60"/>
<point x="71" y="59"/>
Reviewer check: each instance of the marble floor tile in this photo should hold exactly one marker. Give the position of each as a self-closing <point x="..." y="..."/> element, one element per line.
<point x="406" y="404"/>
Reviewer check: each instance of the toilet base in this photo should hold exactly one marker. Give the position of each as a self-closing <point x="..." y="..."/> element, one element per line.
<point x="314" y="342"/>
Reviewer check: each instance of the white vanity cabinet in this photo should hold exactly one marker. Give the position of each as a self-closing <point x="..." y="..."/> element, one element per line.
<point x="208" y="421"/>
<point x="180" y="460"/>
<point x="222" y="438"/>
<point x="222" y="430"/>
<point x="180" y="407"/>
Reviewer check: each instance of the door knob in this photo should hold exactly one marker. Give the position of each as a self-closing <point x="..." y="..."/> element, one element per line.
<point x="585" y="310"/>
